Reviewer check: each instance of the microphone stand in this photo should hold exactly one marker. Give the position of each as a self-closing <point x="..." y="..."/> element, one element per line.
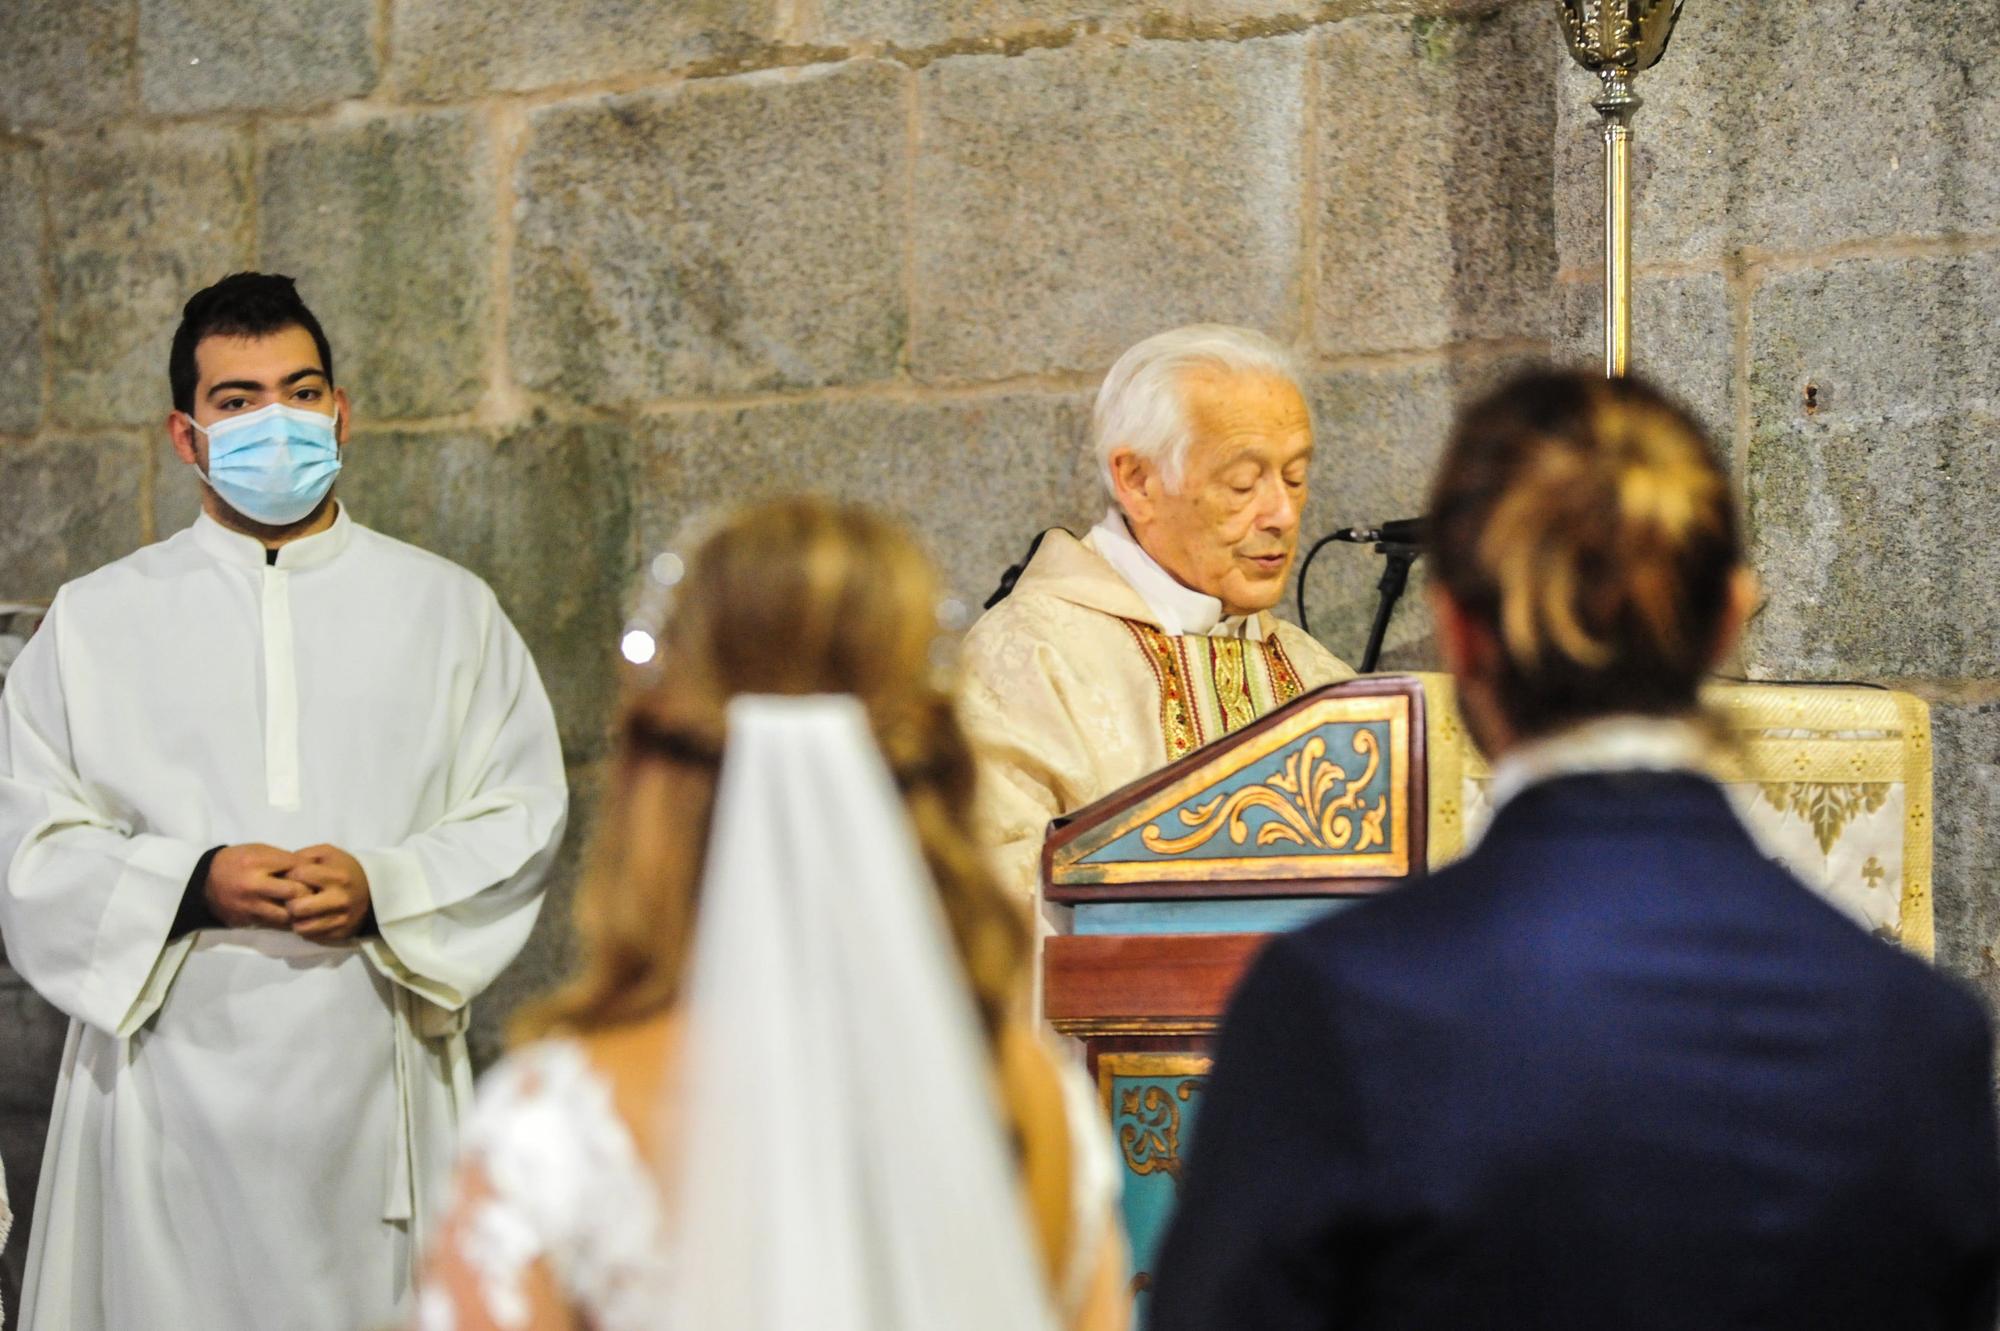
<point x="1395" y="579"/>
<point x="1400" y="555"/>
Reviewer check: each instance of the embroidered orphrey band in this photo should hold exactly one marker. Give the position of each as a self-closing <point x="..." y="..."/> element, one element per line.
<point x="1224" y="696"/>
<point x="1229" y="667"/>
<point x="1284" y="680"/>
<point x="1179" y="726"/>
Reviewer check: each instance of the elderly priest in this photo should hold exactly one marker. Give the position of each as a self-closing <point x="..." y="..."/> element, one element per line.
<point x="1151" y="636"/>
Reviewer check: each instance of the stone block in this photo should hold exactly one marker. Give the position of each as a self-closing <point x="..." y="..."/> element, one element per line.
<point x="550" y="954"/>
<point x="1874" y="540"/>
<point x="1579" y="171"/>
<point x="911" y="24"/>
<point x="31" y="1043"/>
<point x="1379" y="433"/>
<point x="1435" y="146"/>
<point x="1877" y="340"/>
<point x="22" y="299"/>
<point x="1966" y="790"/>
<point x="976" y="478"/>
<point x="142" y="221"/>
<point x="723" y="237"/>
<point x="177" y="489"/>
<point x="542" y="515"/>
<point x="388" y="224"/>
<point x="1179" y="16"/>
<point x="67" y="506"/>
<point x="1076" y="201"/>
<point x="64" y="62"/>
<point x="1786" y="126"/>
<point x="1682" y="340"/>
<point x="461" y="48"/>
<point x="915" y="24"/>
<point x="1875" y="392"/>
<point x="239" y="55"/>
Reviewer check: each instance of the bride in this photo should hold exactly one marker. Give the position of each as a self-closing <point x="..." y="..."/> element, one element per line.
<point x="791" y="1086"/>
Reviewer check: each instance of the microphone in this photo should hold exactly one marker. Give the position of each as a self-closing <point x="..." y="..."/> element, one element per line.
<point x="1401" y="540"/>
<point x="1396" y="531"/>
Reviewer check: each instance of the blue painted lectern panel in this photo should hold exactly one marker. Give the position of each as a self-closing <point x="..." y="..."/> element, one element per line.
<point x="1153" y="1100"/>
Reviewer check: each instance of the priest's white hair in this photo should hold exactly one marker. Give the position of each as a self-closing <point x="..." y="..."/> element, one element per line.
<point x="1140" y="405"/>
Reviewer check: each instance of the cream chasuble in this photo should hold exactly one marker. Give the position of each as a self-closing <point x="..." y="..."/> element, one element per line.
<point x="248" y="1125"/>
<point x="1100" y="668"/>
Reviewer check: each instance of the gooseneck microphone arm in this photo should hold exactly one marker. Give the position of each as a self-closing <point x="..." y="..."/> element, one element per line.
<point x="1400" y="543"/>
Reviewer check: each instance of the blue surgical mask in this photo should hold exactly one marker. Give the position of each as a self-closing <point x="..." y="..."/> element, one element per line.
<point x="273" y="465"/>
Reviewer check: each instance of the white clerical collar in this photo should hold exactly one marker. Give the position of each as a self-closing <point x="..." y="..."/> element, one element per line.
<point x="236" y="548"/>
<point x="1179" y="607"/>
<point x="1613" y="744"/>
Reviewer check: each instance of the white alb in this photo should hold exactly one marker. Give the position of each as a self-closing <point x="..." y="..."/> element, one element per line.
<point x="249" y="1127"/>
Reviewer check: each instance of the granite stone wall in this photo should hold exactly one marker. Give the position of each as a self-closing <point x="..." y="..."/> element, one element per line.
<point x="1818" y="194"/>
<point x="592" y="267"/>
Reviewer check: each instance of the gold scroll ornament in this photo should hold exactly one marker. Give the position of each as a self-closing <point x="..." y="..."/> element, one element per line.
<point x="1298" y="799"/>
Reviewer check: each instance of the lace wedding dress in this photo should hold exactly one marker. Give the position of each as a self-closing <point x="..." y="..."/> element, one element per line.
<point x="844" y="1164"/>
<point x="563" y="1184"/>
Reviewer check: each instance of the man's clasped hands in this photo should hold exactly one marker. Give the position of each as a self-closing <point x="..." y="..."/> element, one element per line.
<point x="319" y="893"/>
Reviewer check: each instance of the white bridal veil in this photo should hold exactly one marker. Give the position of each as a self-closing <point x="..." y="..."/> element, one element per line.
<point x="846" y="1167"/>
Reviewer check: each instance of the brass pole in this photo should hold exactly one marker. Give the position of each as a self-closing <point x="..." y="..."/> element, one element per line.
<point x="1617" y="107"/>
<point x="1616" y="40"/>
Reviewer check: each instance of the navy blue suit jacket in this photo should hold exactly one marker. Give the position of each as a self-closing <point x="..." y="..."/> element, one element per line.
<point x="1614" y="1070"/>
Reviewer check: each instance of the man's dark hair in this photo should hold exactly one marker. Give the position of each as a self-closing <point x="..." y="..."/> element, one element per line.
<point x="240" y="305"/>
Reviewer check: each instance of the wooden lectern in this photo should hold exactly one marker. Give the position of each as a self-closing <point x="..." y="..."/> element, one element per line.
<point x="1175" y="881"/>
<point x="1178" y="879"/>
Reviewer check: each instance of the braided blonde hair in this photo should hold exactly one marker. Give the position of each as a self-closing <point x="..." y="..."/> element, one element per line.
<point x="798" y="596"/>
<point x="1588" y="524"/>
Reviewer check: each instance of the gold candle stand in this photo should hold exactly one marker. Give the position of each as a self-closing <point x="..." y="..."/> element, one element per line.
<point x="1617" y="40"/>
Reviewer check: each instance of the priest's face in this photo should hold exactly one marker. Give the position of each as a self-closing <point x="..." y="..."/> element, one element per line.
<point x="1231" y="527"/>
